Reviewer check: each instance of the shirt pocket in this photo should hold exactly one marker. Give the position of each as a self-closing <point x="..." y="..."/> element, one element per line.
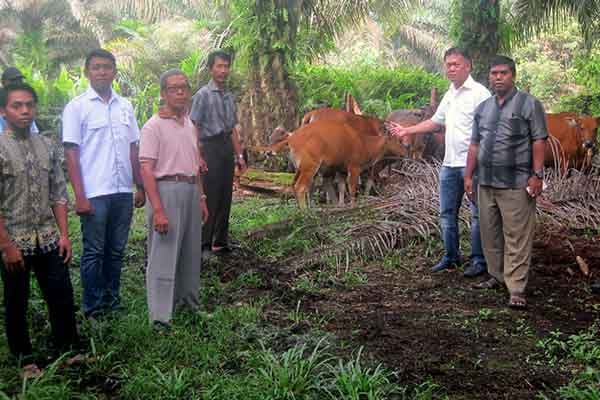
<point x="518" y="126"/>
<point x="97" y="125"/>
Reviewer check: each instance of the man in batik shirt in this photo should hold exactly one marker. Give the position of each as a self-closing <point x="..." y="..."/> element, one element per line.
<point x="33" y="226"/>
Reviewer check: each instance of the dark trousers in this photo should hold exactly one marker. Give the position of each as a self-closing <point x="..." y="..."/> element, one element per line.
<point x="218" y="186"/>
<point x="104" y="236"/>
<point x="55" y="283"/>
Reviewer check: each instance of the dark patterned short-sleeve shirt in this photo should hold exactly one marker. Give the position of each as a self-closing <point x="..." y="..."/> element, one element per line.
<point x="31" y="183"/>
<point x="505" y="135"/>
<point x="213" y="111"/>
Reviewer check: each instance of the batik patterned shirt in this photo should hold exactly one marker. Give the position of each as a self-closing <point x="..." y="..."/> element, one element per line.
<point x="31" y="183"/>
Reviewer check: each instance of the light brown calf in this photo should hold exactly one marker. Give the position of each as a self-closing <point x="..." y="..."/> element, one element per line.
<point x="333" y="144"/>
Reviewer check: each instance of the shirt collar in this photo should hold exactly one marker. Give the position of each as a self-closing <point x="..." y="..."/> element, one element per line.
<point x="91" y="94"/>
<point x="214" y="88"/>
<point x="8" y="131"/>
<point x="469" y="84"/>
<point x="508" y="97"/>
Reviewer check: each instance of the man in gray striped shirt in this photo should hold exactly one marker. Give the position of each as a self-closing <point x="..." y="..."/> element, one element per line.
<point x="214" y="113"/>
<point x="507" y="148"/>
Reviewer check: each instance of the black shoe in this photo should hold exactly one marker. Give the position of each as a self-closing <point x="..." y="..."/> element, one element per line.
<point x="162" y="328"/>
<point x="595" y="288"/>
<point x="474" y="270"/>
<point x="443" y="265"/>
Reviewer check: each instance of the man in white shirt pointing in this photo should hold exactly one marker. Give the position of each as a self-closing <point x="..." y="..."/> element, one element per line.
<point x="455" y="112"/>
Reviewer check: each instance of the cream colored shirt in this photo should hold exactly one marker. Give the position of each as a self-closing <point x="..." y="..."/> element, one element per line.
<point x="456" y="112"/>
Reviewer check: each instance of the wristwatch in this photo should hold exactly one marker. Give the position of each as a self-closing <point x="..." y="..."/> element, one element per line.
<point x="539" y="174"/>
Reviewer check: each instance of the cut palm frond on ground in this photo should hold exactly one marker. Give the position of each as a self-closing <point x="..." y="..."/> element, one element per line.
<point x="409" y="210"/>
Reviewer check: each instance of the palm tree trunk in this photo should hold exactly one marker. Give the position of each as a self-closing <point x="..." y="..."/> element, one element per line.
<point x="479" y="33"/>
<point x="270" y="99"/>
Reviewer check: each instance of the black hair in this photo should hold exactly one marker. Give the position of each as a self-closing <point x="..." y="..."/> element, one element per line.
<point x="13" y="87"/>
<point x="503" y="60"/>
<point x="167" y="74"/>
<point x="458" y="51"/>
<point x="100" y="53"/>
<point x="223" y="55"/>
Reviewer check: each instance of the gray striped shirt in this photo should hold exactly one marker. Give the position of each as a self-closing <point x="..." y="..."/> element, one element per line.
<point x="213" y="111"/>
<point x="505" y="135"/>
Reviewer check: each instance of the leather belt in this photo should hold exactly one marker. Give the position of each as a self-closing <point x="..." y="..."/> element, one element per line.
<point x="222" y="136"/>
<point x="178" y="178"/>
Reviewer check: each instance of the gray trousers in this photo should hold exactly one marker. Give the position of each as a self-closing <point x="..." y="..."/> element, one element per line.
<point x="507" y="223"/>
<point x="174" y="258"/>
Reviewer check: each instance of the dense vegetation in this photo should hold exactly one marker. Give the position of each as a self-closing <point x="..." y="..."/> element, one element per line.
<point x="254" y="338"/>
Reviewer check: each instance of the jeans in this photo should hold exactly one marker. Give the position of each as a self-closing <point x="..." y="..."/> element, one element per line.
<point x="104" y="237"/>
<point x="451" y="194"/>
<point x="55" y="284"/>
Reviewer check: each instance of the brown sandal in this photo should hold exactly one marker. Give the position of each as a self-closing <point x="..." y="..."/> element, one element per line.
<point x="517" y="302"/>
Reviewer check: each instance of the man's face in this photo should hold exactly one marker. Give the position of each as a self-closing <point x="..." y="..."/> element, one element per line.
<point x="177" y="92"/>
<point x="502" y="79"/>
<point x="219" y="70"/>
<point x="457" y="69"/>
<point x="20" y="109"/>
<point x="101" y="72"/>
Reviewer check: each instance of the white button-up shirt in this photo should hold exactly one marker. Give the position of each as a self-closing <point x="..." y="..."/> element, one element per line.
<point x="456" y="111"/>
<point x="104" y="133"/>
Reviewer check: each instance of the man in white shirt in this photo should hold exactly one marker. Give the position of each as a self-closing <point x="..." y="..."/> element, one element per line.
<point x="101" y="135"/>
<point x="455" y="112"/>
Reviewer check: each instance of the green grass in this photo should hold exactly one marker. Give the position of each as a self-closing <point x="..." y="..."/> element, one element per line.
<point x="279" y="178"/>
<point x="233" y="352"/>
<point x="580" y="354"/>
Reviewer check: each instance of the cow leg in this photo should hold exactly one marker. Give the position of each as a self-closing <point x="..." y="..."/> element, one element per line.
<point x="341" y="188"/>
<point x="303" y="180"/>
<point x="353" y="174"/>
<point x="329" y="189"/>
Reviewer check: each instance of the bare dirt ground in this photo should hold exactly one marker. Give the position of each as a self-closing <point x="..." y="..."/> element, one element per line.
<point x="436" y="325"/>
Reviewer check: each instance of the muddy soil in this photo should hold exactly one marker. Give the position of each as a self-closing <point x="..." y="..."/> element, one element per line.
<point x="436" y="325"/>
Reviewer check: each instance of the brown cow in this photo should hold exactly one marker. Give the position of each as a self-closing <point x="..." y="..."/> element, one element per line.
<point x="572" y="140"/>
<point x="421" y="146"/>
<point x="333" y="144"/>
<point x="365" y="125"/>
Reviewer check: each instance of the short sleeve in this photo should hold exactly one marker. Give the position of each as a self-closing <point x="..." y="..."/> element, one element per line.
<point x="57" y="181"/>
<point x="440" y="114"/>
<point x="149" y="140"/>
<point x="198" y="106"/>
<point x="475" y="133"/>
<point x="235" y="116"/>
<point x="537" y="122"/>
<point x="71" y="124"/>
<point x="134" y="129"/>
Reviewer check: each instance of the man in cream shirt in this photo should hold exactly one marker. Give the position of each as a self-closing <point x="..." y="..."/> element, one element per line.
<point x="455" y="112"/>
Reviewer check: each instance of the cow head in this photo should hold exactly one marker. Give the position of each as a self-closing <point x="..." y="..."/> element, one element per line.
<point x="278" y="134"/>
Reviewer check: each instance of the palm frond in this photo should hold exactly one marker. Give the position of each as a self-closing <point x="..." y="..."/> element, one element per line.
<point x="427" y="47"/>
<point x="410" y="211"/>
<point x="532" y="17"/>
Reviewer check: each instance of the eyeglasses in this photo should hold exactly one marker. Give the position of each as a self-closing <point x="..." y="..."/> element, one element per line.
<point x="176" y="89"/>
